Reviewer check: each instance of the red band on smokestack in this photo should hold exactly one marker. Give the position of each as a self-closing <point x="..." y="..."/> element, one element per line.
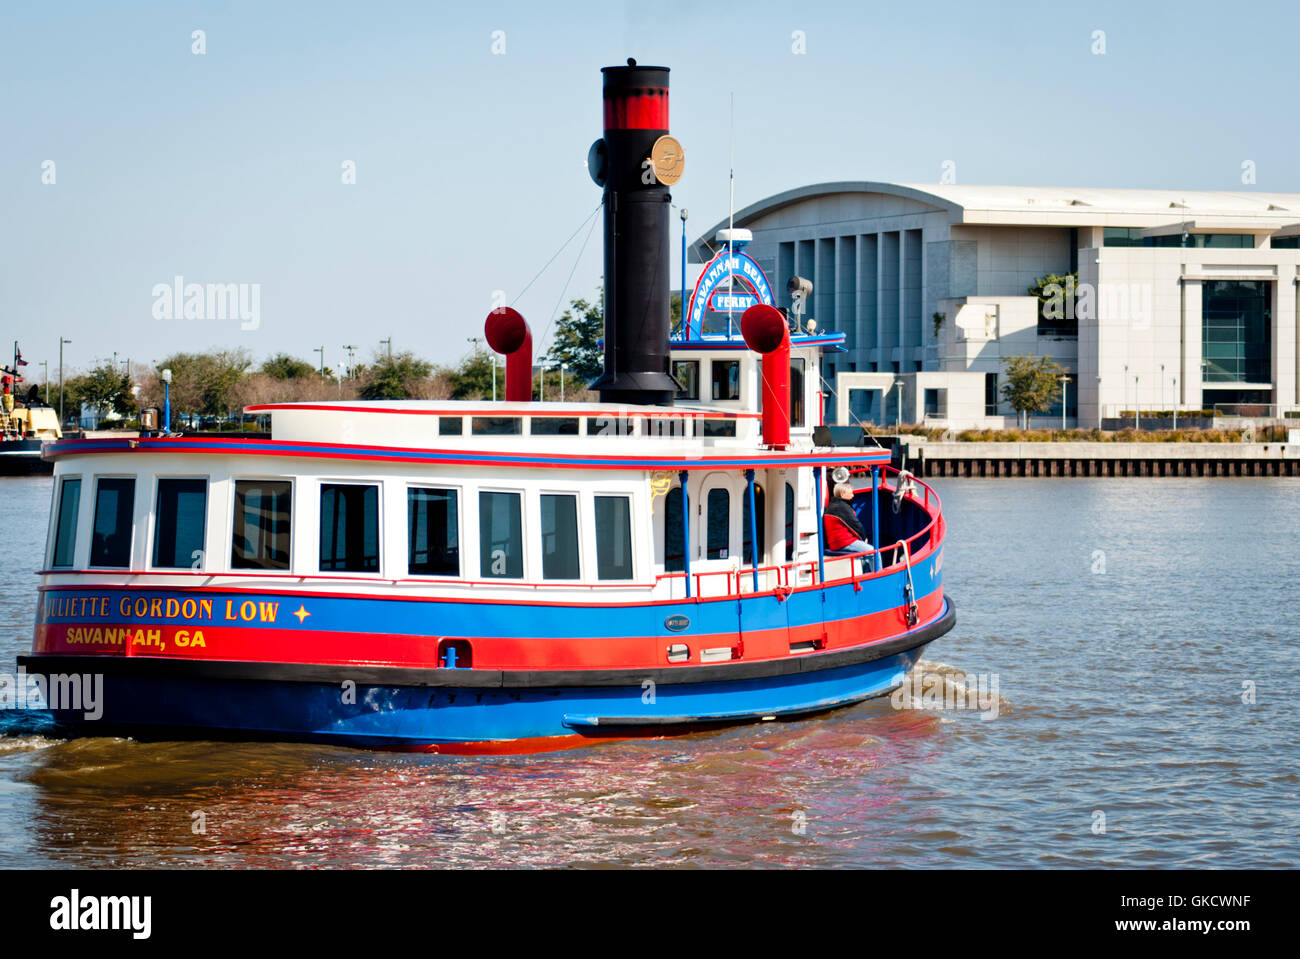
<point x="644" y="110"/>
<point x="765" y="332"/>
<point x="508" y="334"/>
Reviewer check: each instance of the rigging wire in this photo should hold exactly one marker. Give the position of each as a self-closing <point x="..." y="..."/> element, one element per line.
<point x="520" y="294"/>
<point x="565" y="288"/>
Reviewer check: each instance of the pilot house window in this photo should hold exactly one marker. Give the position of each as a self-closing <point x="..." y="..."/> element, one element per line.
<point x="613" y="537"/>
<point x="500" y="536"/>
<point x="726" y="379"/>
<point x="432" y="533"/>
<point x="65" y="533"/>
<point x="182" y="513"/>
<point x="110" y="537"/>
<point x="260" y="538"/>
<point x="349" y="528"/>
<point x="560" y="537"/>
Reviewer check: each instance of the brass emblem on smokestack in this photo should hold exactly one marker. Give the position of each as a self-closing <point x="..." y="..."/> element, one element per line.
<point x="668" y="160"/>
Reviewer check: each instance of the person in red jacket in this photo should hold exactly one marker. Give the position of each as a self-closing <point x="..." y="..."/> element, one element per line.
<point x="844" y="532"/>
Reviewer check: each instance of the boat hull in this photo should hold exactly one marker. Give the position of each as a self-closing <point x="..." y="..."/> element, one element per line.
<point x="429" y="710"/>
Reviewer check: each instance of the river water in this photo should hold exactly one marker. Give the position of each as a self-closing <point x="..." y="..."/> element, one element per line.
<point x="1142" y="634"/>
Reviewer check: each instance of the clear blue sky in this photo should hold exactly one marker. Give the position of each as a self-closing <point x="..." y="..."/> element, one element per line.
<point x="226" y="167"/>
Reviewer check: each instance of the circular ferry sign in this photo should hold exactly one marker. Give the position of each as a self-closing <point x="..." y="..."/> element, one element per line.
<point x="668" y="159"/>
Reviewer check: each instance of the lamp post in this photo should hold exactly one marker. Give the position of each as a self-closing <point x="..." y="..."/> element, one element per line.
<point x="685" y="330"/>
<point x="1162" y="386"/>
<point x="1099" y="402"/>
<point x="1137" y="405"/>
<point x="167" y="400"/>
<point x="389" y="343"/>
<point x="61" y="342"/>
<point x="321" y="351"/>
<point x="898" y="408"/>
<point x="351" y="353"/>
<point x="563" y="367"/>
<point x="45" y="378"/>
<point x="1175" y="402"/>
<point x="1125" y="388"/>
<point x="1065" y="383"/>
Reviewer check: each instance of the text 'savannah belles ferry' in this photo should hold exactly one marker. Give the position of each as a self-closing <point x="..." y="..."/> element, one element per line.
<point x="504" y="576"/>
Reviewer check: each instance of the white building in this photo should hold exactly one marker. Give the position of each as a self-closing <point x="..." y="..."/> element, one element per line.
<point x="1184" y="299"/>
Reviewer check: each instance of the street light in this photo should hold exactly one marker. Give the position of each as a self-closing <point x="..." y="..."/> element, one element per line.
<point x="685" y="331"/>
<point x="1137" y="405"/>
<point x="389" y="343"/>
<point x="45" y="378"/>
<point x="351" y="351"/>
<point x="1098" y="402"/>
<point x="321" y="351"/>
<point x="61" y="342"/>
<point x="167" y="401"/>
<point x="563" y="367"/>
<point x="1175" y="402"/>
<point x="1162" y="386"/>
<point x="1065" y="382"/>
<point x="898" y="408"/>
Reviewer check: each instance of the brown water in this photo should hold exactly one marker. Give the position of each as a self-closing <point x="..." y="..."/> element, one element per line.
<point x="1120" y="695"/>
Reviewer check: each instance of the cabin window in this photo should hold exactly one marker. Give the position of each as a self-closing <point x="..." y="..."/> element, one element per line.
<point x="748" y="547"/>
<point x="726" y="379"/>
<point x="260" y="538"/>
<point x="554" y="426"/>
<point x="65" y="530"/>
<point x="717" y="428"/>
<point x="560" y="537"/>
<point x="500" y="536"/>
<point x="349" y="528"/>
<point x="182" y="513"/>
<point x="450" y="426"/>
<point x="110" y="536"/>
<point x="796" y="392"/>
<point x="687" y="374"/>
<point x="613" y="537"/>
<point x="789" y="522"/>
<point x="433" y="532"/>
<point x="497" y="425"/>
<point x="674" y="535"/>
<point x="718" y="526"/>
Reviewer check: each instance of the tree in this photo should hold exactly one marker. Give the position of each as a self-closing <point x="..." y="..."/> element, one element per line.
<point x="1057" y="301"/>
<point x="282" y="366"/>
<point x="472" y="380"/>
<point x="395" y="378"/>
<point x="574" y="343"/>
<point x="1032" y="382"/>
<point x="204" y="383"/>
<point x="102" y="389"/>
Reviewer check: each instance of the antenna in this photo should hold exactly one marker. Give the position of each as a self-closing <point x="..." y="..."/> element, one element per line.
<point x="731" y="218"/>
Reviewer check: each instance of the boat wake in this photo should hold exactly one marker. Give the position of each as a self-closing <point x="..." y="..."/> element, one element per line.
<point x="942" y="687"/>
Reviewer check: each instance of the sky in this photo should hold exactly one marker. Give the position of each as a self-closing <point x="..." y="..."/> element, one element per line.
<point x="132" y="152"/>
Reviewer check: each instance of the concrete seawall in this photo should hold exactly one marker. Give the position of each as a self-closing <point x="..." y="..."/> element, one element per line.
<point x="1101" y="459"/>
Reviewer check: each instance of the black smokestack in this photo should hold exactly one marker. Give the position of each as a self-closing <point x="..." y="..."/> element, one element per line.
<point x="636" y="239"/>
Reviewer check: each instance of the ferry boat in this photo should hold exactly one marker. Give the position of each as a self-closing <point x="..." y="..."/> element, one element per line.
<point x="25" y="424"/>
<point x="511" y="576"/>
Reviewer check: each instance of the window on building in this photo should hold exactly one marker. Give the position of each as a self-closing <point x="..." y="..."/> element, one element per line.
<point x="182" y="513"/>
<point x="718" y="524"/>
<point x="560" y="536"/>
<point x="936" y="402"/>
<point x="500" y="536"/>
<point x="747" y="545"/>
<point x="432" y="532"/>
<point x="614" y="537"/>
<point x="110" y="534"/>
<point x="1132" y="236"/>
<point x="1285" y="243"/>
<point x="916" y="366"/>
<point x="349" y="528"/>
<point x="1236" y="331"/>
<point x="796" y="392"/>
<point x="687" y="374"/>
<point x="65" y="530"/>
<point x="726" y="379"/>
<point x="674" y="534"/>
<point x="990" y="394"/>
<point x="260" y="538"/>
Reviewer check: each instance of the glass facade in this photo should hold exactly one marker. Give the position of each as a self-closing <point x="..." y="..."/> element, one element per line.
<point x="1236" y="331"/>
<point x="1131" y="236"/>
